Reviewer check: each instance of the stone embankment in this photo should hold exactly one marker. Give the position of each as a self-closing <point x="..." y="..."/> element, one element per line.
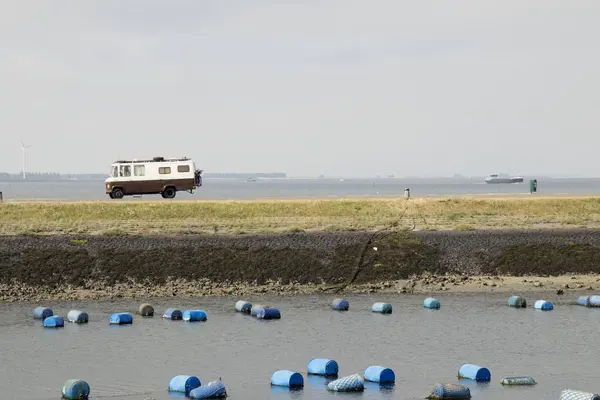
<point x="99" y="267"/>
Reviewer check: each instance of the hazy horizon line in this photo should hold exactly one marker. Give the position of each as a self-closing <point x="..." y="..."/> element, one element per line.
<point x="260" y="175"/>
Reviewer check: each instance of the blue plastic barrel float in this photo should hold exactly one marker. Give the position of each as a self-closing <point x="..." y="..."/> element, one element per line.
<point x="543" y="305"/>
<point x="449" y="391"/>
<point x="351" y="383"/>
<point x="173" y="314"/>
<point x="322" y="366"/>
<point x="474" y="372"/>
<point x="184" y="384"/>
<point x="517" y="302"/>
<point x="212" y="390"/>
<point x="194" y="315"/>
<point x="383" y="308"/>
<point x="287" y="378"/>
<point x="431" y="302"/>
<point x="340" y="304"/>
<point x="594" y="301"/>
<point x="75" y="389"/>
<point x="42" y="312"/>
<point x="243" y="306"/>
<point x="268" y="313"/>
<point x="256" y="308"/>
<point x="146" y="310"/>
<point x="583" y="301"/>
<point x="120" y="318"/>
<point x="379" y="374"/>
<point x="77" y="316"/>
<point x="518" y="380"/>
<point x="569" y="394"/>
<point x="54" y="321"/>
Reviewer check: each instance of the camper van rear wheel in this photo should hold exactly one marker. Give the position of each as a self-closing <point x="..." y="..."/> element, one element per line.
<point x="117" y="193"/>
<point x="169" y="193"/>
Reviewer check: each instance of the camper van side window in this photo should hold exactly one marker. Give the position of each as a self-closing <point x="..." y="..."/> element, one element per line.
<point x="139" y="170"/>
<point x="126" y="170"/>
<point x="183" y="168"/>
<point x="164" y="170"/>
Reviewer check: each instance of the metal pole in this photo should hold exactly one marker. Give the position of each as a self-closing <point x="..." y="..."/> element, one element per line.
<point x="23" y="148"/>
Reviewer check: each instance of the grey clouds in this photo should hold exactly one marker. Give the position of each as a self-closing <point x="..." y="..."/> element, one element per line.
<point x="339" y="87"/>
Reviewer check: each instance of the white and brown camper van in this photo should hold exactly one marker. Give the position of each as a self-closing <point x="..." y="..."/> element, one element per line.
<point x="161" y="175"/>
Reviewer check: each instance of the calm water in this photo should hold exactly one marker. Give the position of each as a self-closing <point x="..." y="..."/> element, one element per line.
<point x="300" y="188"/>
<point x="558" y="348"/>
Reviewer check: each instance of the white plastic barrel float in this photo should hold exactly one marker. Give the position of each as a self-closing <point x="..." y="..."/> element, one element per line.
<point x="184" y="384"/>
<point x="379" y="374"/>
<point x="517" y="302"/>
<point x="431" y="302"/>
<point x="54" y="321"/>
<point x="340" y="305"/>
<point x="173" y="314"/>
<point x="449" y="391"/>
<point x="322" y="366"/>
<point x="287" y="378"/>
<point x="594" y="301"/>
<point x="78" y="317"/>
<point x="42" y="312"/>
<point x="383" y="308"/>
<point x="518" y="380"/>
<point x="120" y="318"/>
<point x="212" y="390"/>
<point x="543" y="305"/>
<point x="268" y="313"/>
<point x="474" y="372"/>
<point x="75" y="389"/>
<point x="243" y="306"/>
<point x="569" y="394"/>
<point x="351" y="383"/>
<point x="194" y="315"/>
<point x="256" y="308"/>
<point x="583" y="301"/>
<point x="146" y="310"/>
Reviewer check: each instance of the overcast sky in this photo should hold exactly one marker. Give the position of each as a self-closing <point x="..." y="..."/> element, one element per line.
<point x="338" y="87"/>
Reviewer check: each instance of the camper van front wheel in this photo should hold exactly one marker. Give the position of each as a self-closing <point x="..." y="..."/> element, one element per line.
<point x="169" y="193"/>
<point x="117" y="193"/>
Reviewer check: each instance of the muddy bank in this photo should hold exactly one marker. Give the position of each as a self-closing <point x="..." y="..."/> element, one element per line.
<point x="75" y="267"/>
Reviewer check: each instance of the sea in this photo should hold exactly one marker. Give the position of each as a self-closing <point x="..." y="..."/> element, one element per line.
<point x="234" y="189"/>
<point x="420" y="345"/>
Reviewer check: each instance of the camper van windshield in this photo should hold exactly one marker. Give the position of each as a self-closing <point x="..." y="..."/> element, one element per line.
<point x="115" y="171"/>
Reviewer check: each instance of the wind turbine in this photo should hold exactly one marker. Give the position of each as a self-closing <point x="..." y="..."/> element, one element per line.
<point x="23" y="147"/>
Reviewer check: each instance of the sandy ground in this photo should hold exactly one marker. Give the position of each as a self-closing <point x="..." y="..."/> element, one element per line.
<point x="491" y="196"/>
<point x="568" y="286"/>
<point x="484" y="284"/>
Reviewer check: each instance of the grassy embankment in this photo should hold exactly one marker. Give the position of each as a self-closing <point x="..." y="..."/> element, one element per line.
<point x="164" y="217"/>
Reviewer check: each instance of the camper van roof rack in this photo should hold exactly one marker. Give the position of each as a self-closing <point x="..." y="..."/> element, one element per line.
<point x="155" y="159"/>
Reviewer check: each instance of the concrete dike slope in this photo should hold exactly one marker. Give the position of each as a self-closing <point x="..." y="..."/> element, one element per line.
<point x="96" y="267"/>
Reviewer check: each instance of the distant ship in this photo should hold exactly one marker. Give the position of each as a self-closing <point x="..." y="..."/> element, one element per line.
<point x="503" y="179"/>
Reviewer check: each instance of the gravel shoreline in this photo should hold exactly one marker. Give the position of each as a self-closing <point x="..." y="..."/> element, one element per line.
<point x="36" y="268"/>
